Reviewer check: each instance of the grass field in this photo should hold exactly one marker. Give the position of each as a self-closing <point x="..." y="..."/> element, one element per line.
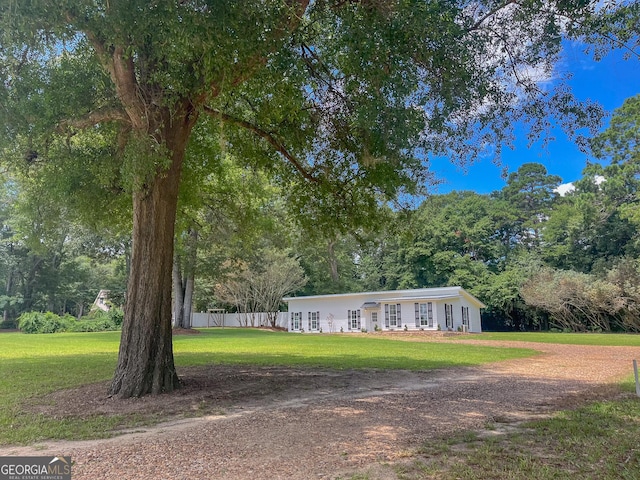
<point x="34" y="365"/>
<point x="606" y="339"/>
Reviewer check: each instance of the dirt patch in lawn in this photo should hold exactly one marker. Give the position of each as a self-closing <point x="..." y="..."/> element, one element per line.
<point x="214" y="389"/>
<point x="217" y="389"/>
<point x="185" y="331"/>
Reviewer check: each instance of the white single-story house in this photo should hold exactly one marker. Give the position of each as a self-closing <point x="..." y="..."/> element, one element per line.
<point x="444" y="308"/>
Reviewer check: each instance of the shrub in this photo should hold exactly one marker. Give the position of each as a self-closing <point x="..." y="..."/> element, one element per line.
<point x="28" y="322"/>
<point x="100" y="321"/>
<point x="116" y="315"/>
<point x="38" y="322"/>
<point x="69" y="322"/>
<point x="97" y="325"/>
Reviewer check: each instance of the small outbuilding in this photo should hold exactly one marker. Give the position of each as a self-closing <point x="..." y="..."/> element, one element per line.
<point x="443" y="308"/>
<point x="102" y="301"/>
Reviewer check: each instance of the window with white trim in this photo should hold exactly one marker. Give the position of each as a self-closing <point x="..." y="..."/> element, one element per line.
<point x="465" y="316"/>
<point x="424" y="314"/>
<point x="374" y="317"/>
<point x="353" y="317"/>
<point x="314" y="320"/>
<point x="448" y="315"/>
<point x="392" y="315"/>
<point x="296" y="320"/>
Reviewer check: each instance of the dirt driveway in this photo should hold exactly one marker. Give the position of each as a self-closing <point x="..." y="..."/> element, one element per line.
<point x="276" y="423"/>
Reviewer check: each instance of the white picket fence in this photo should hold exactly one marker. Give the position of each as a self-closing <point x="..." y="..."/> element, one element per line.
<point x="219" y="319"/>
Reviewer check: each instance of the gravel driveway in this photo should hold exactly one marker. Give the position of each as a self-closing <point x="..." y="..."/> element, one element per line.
<point x="332" y="423"/>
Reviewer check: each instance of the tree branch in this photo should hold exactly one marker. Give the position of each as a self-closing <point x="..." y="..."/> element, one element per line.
<point x="121" y="69"/>
<point x="124" y="79"/>
<point x="280" y="148"/>
<point x="96" y="117"/>
<point x="490" y="13"/>
<point x="528" y="83"/>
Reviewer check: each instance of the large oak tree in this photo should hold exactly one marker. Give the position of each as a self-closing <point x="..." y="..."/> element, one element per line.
<point x="342" y="101"/>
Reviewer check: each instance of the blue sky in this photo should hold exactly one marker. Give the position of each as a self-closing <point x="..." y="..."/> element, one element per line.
<point x="609" y="81"/>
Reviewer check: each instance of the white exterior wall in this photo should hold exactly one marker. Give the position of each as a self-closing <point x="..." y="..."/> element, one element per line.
<point x="475" y="320"/>
<point x="440" y="317"/>
<point x="333" y="309"/>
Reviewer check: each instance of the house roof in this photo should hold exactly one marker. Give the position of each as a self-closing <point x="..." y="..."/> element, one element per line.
<point x="422" y="297"/>
<point x="371" y="298"/>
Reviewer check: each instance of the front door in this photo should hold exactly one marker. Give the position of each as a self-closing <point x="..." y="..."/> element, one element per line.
<point x="374" y="319"/>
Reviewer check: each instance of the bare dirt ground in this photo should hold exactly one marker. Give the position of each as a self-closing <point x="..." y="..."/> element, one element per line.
<point x="283" y="423"/>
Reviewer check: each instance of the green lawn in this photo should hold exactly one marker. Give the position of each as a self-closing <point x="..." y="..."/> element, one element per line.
<point x="258" y="347"/>
<point x="33" y="365"/>
<point x="607" y="339"/>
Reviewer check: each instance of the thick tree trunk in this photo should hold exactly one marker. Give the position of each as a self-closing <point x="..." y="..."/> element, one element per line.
<point x="145" y="360"/>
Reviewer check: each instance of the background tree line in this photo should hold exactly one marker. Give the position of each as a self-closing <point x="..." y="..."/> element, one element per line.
<point x="538" y="259"/>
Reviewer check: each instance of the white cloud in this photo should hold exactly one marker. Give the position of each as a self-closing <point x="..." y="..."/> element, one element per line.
<point x="566" y="188"/>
